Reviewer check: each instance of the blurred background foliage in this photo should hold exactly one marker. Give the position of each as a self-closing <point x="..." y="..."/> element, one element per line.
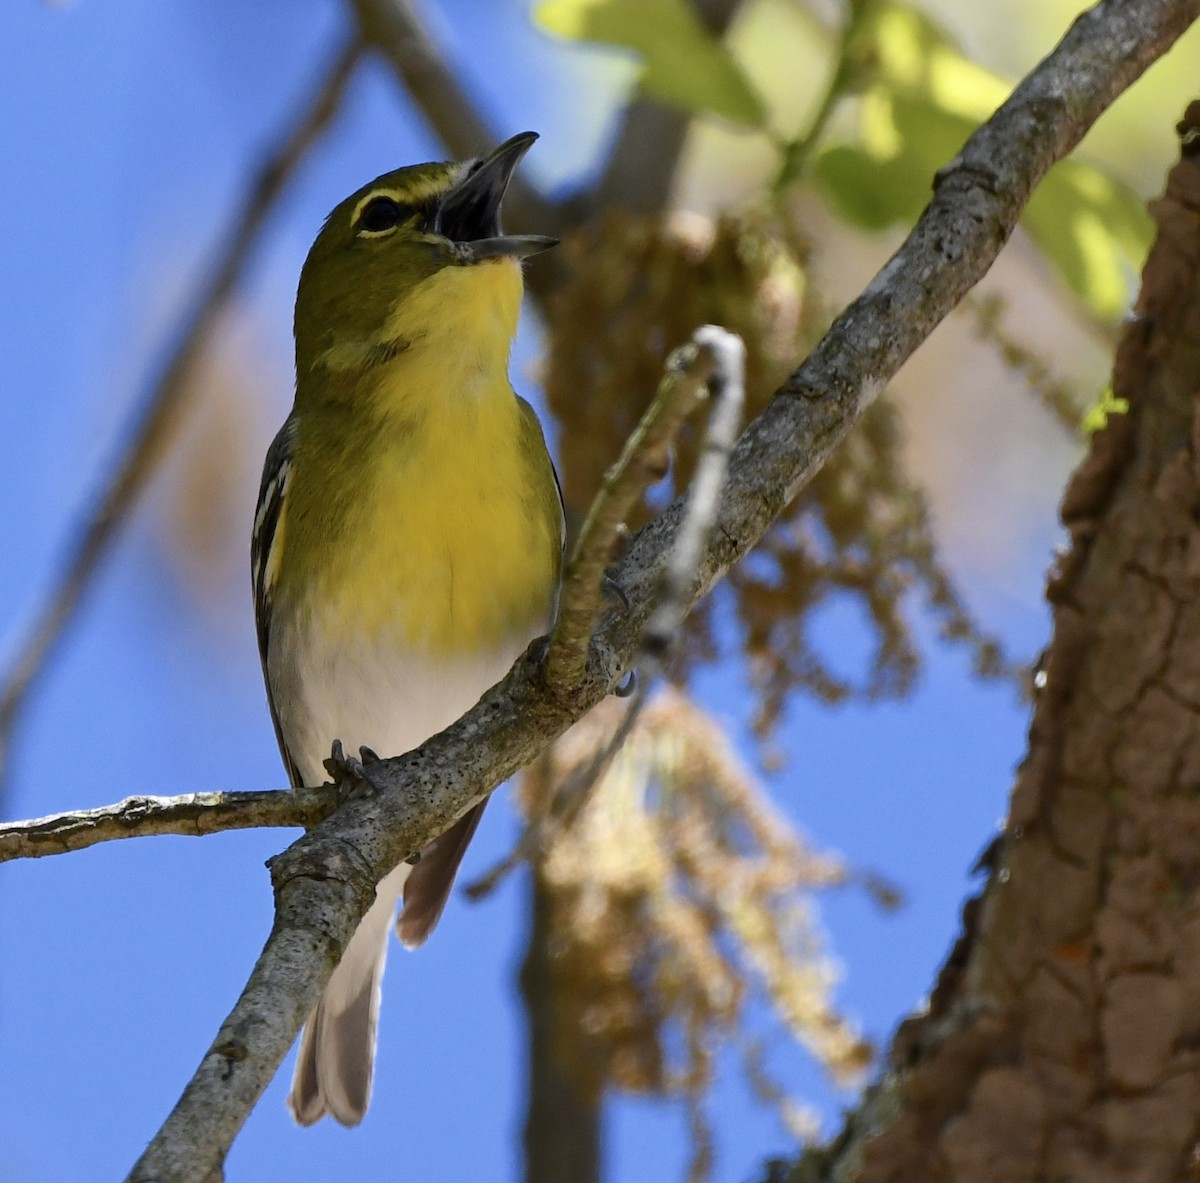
<point x="674" y="918"/>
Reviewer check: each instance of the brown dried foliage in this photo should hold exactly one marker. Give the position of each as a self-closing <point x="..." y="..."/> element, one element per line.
<point x="638" y="287"/>
<point x="677" y="891"/>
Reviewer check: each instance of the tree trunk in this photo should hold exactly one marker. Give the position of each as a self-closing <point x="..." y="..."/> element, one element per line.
<point x="1062" y="1041"/>
<point x="562" y="1122"/>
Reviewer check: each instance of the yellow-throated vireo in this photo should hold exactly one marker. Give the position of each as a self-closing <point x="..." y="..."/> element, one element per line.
<point x="408" y="539"/>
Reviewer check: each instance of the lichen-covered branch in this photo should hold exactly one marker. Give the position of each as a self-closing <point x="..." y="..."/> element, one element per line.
<point x="324" y="883"/>
<point x="168" y="393"/>
<point x="192" y="815"/>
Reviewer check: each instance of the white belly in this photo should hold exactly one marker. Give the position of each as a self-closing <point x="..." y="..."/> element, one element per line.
<point x="366" y="694"/>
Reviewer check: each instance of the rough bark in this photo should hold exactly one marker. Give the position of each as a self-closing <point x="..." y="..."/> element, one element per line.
<point x="1062" y="1041"/>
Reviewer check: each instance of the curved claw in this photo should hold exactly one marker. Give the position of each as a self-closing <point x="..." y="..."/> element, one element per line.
<point x="613" y="591"/>
<point x="349" y="768"/>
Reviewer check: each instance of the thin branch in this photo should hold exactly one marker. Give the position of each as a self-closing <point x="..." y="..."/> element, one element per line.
<point x="168" y="394"/>
<point x="643" y="461"/>
<point x="727" y="387"/>
<point x="396" y="31"/>
<point x="798" y="154"/>
<point x="325" y="881"/>
<point x="192" y="815"/>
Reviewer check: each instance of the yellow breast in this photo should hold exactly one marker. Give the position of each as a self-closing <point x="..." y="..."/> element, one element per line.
<point x="446" y="540"/>
<point x="450" y="535"/>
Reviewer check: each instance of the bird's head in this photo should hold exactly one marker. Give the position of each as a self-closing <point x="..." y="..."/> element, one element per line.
<point x="414" y="257"/>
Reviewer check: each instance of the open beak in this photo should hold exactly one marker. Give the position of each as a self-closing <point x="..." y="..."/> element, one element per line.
<point x="469" y="215"/>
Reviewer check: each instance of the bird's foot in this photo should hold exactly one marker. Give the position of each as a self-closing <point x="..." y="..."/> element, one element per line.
<point x="627" y="686"/>
<point x="350" y="771"/>
<point x="613" y="592"/>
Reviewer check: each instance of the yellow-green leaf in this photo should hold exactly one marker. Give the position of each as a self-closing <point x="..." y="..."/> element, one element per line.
<point x="866" y="191"/>
<point x="682" y="62"/>
<point x="1094" y="230"/>
<point x="1096" y="416"/>
<point x="923" y="101"/>
<point x="888" y="178"/>
<point x="908" y="52"/>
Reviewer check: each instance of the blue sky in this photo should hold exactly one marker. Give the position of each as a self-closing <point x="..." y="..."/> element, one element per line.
<point x="126" y="130"/>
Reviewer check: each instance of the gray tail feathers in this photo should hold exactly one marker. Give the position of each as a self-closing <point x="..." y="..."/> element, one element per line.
<point x="336" y="1061"/>
<point x="428" y="887"/>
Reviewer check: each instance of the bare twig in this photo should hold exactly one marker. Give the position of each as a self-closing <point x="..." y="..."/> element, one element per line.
<point x="643" y="460"/>
<point x="193" y="815"/>
<point x="325" y="881"/>
<point x="798" y="154"/>
<point x="167" y="396"/>
<point x="396" y="31"/>
<point x="727" y="387"/>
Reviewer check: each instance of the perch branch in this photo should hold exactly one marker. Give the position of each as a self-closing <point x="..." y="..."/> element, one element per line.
<point x="192" y="815"/>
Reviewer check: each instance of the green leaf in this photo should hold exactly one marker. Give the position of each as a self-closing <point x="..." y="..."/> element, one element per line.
<point x="906" y="51"/>
<point x="683" y="63"/>
<point x="871" y="193"/>
<point x="1096" y="416"/>
<point x="1094" y="230"/>
<point x="888" y="178"/>
<point x="924" y="100"/>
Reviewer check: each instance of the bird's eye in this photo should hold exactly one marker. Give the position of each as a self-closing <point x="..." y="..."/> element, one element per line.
<point x="379" y="214"/>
